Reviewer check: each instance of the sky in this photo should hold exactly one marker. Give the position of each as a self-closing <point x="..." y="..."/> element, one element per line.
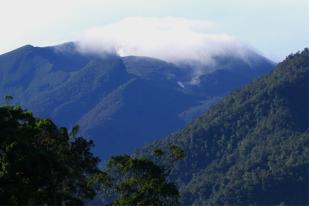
<point x="275" y="28"/>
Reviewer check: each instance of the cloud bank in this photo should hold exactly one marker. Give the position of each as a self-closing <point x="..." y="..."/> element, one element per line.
<point x="170" y="38"/>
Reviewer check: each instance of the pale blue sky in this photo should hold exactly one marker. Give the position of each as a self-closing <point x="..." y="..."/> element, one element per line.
<point x="274" y="27"/>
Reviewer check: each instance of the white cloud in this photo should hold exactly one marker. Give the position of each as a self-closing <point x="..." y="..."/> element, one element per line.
<point x="169" y="38"/>
<point x="45" y="22"/>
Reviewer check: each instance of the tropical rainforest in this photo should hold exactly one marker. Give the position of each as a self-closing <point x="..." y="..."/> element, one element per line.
<point x="251" y="148"/>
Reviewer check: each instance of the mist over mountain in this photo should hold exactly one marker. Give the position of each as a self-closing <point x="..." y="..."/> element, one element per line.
<point x="172" y="39"/>
<point x="122" y="102"/>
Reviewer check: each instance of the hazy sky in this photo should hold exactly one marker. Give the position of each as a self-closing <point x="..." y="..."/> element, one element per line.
<point x="274" y="27"/>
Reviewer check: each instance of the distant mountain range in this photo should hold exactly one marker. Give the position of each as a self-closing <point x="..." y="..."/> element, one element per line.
<point x="251" y="148"/>
<point x="120" y="102"/>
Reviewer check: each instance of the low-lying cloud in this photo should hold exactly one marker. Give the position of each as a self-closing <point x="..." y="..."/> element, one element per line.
<point x="171" y="39"/>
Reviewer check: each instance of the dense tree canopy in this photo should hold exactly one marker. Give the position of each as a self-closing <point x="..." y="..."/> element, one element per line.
<point x="252" y="148"/>
<point x="40" y="163"/>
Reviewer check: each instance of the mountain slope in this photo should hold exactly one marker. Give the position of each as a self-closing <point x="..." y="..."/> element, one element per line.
<point x="138" y="108"/>
<point x="252" y="148"/>
<point x="147" y="98"/>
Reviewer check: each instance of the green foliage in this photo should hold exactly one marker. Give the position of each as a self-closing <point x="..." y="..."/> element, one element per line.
<point x="252" y="148"/>
<point x="158" y="152"/>
<point x="176" y="152"/>
<point x="139" y="181"/>
<point x="38" y="163"/>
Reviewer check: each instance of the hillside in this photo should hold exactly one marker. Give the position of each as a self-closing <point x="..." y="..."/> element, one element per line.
<point x="252" y="148"/>
<point x="148" y="98"/>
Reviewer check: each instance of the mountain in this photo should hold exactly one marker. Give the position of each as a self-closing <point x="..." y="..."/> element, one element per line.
<point x="120" y="102"/>
<point x="252" y="147"/>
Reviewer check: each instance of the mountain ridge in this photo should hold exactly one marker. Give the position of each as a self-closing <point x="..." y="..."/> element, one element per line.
<point x="69" y="86"/>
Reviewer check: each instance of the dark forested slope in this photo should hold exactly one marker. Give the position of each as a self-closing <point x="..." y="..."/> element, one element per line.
<point x="252" y="148"/>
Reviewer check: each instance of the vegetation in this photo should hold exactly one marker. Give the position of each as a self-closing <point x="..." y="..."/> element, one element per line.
<point x="41" y="164"/>
<point x="252" y="148"/>
<point x="138" y="181"/>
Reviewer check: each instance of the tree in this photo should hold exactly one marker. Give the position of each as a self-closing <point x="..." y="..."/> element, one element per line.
<point x="40" y="164"/>
<point x="139" y="181"/>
